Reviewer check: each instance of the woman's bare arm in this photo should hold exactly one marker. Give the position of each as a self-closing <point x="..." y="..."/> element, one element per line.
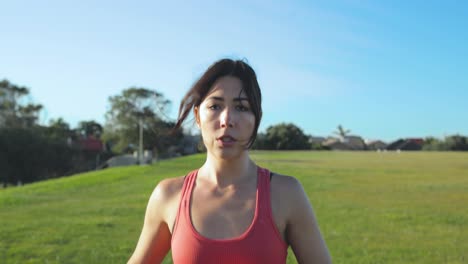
<point x="302" y="230"/>
<point x="155" y="238"/>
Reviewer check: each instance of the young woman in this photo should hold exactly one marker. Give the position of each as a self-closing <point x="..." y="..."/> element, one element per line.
<point x="229" y="210"/>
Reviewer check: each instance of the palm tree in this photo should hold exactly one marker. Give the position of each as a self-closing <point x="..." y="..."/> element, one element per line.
<point x="341" y="132"/>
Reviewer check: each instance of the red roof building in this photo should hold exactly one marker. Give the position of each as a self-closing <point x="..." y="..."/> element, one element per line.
<point x="91" y="144"/>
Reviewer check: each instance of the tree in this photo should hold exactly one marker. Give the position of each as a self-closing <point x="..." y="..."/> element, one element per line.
<point x="432" y="143"/>
<point x="89" y="128"/>
<point x="341" y="132"/>
<point x="31" y="155"/>
<point x="286" y="137"/>
<point x="59" y="130"/>
<point x="260" y="141"/>
<point x="133" y="106"/>
<point x="449" y="143"/>
<point x="13" y="111"/>
<point x="457" y="142"/>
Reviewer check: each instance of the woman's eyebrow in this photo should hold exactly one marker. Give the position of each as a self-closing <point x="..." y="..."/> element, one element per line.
<point x="237" y="99"/>
<point x="217" y="98"/>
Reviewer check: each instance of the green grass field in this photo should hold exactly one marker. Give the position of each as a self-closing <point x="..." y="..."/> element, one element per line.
<point x="371" y="207"/>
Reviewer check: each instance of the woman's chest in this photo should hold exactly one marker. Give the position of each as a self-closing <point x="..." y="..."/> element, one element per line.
<point x="223" y="216"/>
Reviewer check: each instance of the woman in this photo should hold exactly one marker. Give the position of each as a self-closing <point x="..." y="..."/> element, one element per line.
<point x="230" y="210"/>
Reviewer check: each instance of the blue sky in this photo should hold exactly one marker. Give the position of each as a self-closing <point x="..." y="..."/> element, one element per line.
<point x="384" y="70"/>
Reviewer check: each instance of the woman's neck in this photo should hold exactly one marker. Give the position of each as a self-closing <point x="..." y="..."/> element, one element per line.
<point x="228" y="172"/>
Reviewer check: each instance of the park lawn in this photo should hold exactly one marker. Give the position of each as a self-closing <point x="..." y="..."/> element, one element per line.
<point x="408" y="207"/>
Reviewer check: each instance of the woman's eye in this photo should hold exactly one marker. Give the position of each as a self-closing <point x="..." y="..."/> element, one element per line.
<point x="214" y="107"/>
<point x="242" y="108"/>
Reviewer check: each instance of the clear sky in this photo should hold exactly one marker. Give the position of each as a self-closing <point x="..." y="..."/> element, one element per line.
<point x="383" y="69"/>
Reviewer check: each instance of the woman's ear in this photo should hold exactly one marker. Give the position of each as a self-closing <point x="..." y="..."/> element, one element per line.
<point x="197" y="116"/>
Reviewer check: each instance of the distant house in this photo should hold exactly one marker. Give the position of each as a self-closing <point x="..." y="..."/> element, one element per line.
<point x="406" y="144"/>
<point x="90" y="144"/>
<point x="335" y="144"/>
<point x="121" y="160"/>
<point x="376" y="145"/>
<point x="345" y="143"/>
<point x="355" y="142"/>
<point x="316" y="140"/>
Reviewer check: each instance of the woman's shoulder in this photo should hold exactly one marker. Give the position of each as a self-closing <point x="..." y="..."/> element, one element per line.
<point x="288" y="190"/>
<point x="167" y="188"/>
<point x="285" y="183"/>
<point x="167" y="192"/>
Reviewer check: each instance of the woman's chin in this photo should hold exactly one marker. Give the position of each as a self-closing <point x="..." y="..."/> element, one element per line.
<point x="228" y="153"/>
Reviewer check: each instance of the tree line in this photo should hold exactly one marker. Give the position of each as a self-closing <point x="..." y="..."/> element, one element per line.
<point x="30" y="151"/>
<point x="448" y="143"/>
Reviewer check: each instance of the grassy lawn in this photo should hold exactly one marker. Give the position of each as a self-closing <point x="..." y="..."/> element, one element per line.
<point x="371" y="207"/>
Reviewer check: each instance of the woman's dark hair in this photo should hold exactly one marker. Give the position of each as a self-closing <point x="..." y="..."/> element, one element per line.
<point x="222" y="68"/>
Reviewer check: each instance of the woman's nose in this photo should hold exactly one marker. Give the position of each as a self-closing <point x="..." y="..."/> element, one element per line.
<point x="226" y="118"/>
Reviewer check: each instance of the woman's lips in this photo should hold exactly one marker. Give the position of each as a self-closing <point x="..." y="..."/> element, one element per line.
<point x="226" y="141"/>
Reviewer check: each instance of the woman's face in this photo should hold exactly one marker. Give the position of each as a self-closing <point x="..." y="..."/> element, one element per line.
<point x="225" y="118"/>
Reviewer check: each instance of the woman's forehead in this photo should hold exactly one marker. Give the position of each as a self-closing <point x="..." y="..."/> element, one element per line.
<point x="228" y="86"/>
